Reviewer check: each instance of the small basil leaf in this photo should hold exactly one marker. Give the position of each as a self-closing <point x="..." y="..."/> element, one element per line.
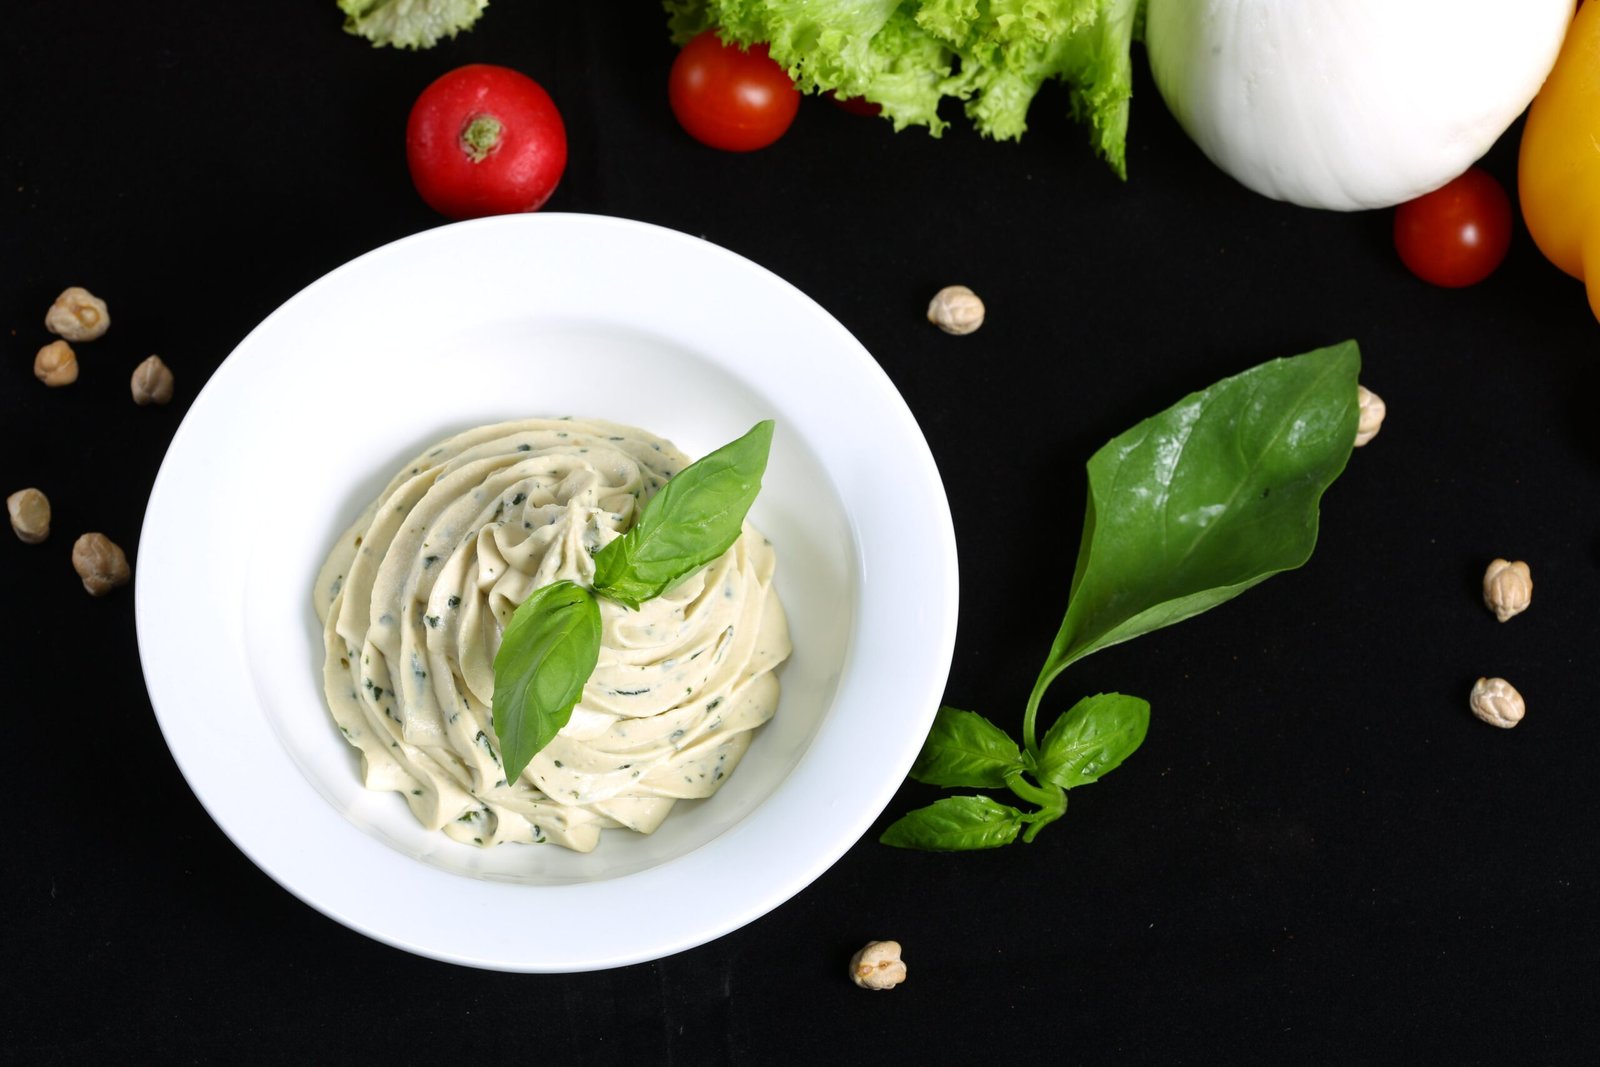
<point x="1195" y="505"/>
<point x="965" y="749"/>
<point x="955" y="824"/>
<point x="694" y="519"/>
<point x="1092" y="738"/>
<point x="546" y="656"/>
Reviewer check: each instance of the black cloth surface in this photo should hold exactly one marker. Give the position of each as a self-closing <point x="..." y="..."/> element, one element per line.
<point x="1317" y="856"/>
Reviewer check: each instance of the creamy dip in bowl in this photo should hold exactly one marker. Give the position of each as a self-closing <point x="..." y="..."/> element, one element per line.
<point x="504" y="319"/>
<point x="416" y="597"/>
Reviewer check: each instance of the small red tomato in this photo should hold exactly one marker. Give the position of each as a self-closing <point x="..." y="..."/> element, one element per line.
<point x="1458" y="234"/>
<point x="485" y="140"/>
<point x="729" y="98"/>
<point x="856" y="105"/>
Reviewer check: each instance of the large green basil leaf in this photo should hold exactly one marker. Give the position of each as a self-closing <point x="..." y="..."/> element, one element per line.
<point x="694" y="519"/>
<point x="965" y="749"/>
<point x="955" y="824"/>
<point x="546" y="656"/>
<point x="1092" y="738"/>
<point x="1197" y="504"/>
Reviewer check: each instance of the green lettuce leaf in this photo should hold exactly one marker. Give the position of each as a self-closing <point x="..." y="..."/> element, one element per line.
<point x="909" y="55"/>
<point x="409" y="23"/>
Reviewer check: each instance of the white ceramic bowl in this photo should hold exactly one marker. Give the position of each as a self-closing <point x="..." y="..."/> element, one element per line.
<point x="503" y="318"/>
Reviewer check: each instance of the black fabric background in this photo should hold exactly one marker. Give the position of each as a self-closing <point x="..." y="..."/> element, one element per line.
<point x="1318" y="855"/>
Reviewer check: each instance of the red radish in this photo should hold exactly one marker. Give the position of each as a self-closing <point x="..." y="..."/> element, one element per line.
<point x="485" y="140"/>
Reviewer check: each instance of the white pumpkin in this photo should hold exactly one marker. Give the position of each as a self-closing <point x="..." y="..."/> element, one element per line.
<point x="1350" y="104"/>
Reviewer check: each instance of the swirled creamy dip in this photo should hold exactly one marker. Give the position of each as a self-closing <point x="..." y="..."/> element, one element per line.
<point x="415" y="596"/>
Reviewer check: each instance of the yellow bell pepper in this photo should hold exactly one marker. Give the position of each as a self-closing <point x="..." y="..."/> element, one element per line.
<point x="1558" y="171"/>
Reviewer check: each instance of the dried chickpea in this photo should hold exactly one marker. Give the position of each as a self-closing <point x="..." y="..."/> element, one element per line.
<point x="100" y="563"/>
<point x="1507" y="588"/>
<point x="77" y="315"/>
<point x="56" y="364"/>
<point x="878" y="965"/>
<point x="30" y="515"/>
<point x="152" y="382"/>
<point x="1497" y="702"/>
<point x="956" y="309"/>
<point x="1371" y="410"/>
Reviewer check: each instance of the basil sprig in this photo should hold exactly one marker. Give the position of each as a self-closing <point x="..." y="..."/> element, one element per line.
<point x="1186" y="510"/>
<point x="551" y="646"/>
<point x="694" y="519"/>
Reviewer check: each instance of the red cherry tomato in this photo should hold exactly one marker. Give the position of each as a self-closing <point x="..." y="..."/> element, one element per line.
<point x="729" y="98"/>
<point x="1458" y="234"/>
<point x="856" y="105"/>
<point x="485" y="140"/>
